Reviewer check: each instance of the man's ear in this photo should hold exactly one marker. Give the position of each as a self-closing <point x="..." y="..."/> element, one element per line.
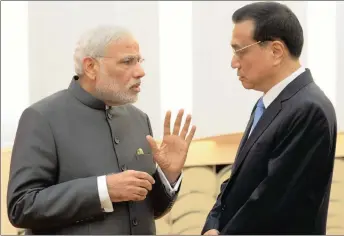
<point x="90" y="67"/>
<point x="278" y="51"/>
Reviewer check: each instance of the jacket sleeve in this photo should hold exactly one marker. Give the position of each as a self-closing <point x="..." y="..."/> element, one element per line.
<point x="306" y="149"/>
<point x="34" y="199"/>
<point x="212" y="221"/>
<point x="162" y="199"/>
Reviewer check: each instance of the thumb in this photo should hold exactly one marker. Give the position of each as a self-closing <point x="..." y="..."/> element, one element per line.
<point x="153" y="145"/>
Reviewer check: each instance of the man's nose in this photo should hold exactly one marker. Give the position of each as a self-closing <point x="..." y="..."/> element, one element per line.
<point x="139" y="71"/>
<point x="235" y="62"/>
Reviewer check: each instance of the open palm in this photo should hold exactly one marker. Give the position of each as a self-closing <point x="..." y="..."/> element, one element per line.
<point x="172" y="153"/>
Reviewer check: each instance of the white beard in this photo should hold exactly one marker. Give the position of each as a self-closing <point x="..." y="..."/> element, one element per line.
<point x="108" y="89"/>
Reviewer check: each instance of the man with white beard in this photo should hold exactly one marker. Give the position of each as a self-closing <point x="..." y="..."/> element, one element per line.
<point x="84" y="160"/>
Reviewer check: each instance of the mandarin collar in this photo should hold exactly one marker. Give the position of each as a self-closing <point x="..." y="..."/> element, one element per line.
<point x="85" y="97"/>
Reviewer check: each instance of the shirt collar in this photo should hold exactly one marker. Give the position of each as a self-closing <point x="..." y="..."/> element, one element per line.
<point x="273" y="93"/>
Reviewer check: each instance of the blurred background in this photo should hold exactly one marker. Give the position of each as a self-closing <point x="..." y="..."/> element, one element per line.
<point x="186" y="46"/>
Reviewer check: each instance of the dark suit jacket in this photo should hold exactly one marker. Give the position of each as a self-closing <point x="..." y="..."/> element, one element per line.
<point x="62" y="144"/>
<point x="281" y="177"/>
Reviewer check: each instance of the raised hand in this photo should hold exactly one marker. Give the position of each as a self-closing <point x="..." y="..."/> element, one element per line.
<point x="172" y="153"/>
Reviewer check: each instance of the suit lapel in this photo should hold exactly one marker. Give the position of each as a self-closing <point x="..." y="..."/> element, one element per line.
<point x="264" y="122"/>
<point x="269" y="115"/>
<point x="248" y="128"/>
<point x="244" y="139"/>
<point x="246" y="133"/>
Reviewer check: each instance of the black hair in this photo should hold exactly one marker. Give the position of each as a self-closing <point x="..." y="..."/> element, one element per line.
<point x="273" y="21"/>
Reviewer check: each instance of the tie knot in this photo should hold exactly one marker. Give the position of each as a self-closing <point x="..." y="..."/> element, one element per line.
<point x="260" y="103"/>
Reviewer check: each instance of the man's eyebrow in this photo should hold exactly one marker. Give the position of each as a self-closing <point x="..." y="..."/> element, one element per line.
<point x="130" y="56"/>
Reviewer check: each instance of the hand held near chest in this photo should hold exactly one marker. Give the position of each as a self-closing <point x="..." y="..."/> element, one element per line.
<point x="129" y="185"/>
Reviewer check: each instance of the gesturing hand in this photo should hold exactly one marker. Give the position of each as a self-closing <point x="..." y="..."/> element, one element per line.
<point x="172" y="153"/>
<point x="129" y="185"/>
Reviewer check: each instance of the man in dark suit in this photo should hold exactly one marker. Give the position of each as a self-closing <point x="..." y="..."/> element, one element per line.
<point x="84" y="160"/>
<point x="281" y="177"/>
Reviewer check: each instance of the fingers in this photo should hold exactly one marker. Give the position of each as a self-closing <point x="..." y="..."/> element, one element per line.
<point x="167" y="123"/>
<point x="137" y="198"/>
<point x="139" y="185"/>
<point x="178" y="122"/>
<point x="186" y="127"/>
<point x="177" y="125"/>
<point x="191" y="135"/>
<point x="144" y="176"/>
<point x="145" y="184"/>
<point x="152" y="144"/>
<point x="141" y="191"/>
<point x="139" y="194"/>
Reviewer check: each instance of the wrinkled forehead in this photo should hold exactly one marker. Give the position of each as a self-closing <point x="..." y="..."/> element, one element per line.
<point x="242" y="34"/>
<point x="124" y="46"/>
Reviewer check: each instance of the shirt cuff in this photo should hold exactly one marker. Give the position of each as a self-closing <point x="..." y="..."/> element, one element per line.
<point x="103" y="192"/>
<point x="171" y="188"/>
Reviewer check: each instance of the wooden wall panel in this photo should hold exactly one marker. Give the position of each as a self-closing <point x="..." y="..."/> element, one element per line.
<point x="6" y="227"/>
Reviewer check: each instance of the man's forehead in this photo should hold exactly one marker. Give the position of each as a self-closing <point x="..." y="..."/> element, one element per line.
<point x="124" y="46"/>
<point x="242" y="33"/>
<point x="245" y="26"/>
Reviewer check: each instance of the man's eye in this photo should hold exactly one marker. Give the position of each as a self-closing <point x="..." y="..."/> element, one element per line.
<point x="129" y="61"/>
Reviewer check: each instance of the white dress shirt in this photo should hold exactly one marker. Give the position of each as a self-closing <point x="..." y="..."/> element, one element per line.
<point x="104" y="197"/>
<point x="273" y="93"/>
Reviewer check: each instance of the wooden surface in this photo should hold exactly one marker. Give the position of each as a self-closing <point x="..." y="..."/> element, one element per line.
<point x="222" y="150"/>
<point x="340" y="145"/>
<point x="6" y="227"/>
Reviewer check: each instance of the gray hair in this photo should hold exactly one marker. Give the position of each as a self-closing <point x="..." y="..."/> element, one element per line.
<point x="94" y="42"/>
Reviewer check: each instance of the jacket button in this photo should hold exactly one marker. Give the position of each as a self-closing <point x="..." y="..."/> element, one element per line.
<point x="109" y="115"/>
<point x="116" y="140"/>
<point x="135" y="222"/>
